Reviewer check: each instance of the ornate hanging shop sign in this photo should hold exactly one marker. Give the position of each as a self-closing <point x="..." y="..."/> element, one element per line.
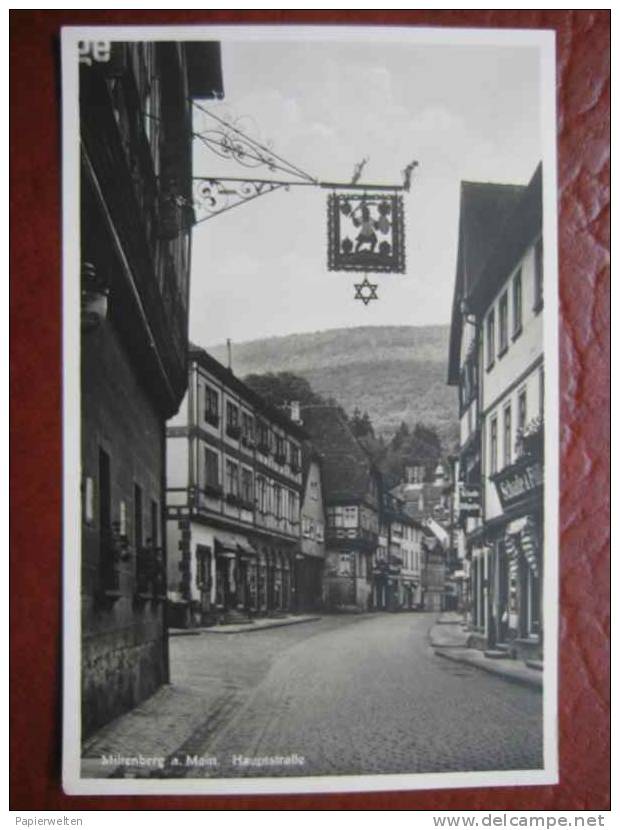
<point x="366" y="232"/>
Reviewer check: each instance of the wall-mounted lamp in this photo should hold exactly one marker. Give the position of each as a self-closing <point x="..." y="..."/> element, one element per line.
<point x="468" y="316"/>
<point x="94" y="298"/>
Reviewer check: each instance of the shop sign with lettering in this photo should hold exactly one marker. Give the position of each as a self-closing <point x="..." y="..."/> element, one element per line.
<point x="519" y="481"/>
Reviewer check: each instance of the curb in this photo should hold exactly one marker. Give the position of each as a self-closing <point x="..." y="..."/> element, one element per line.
<point x="533" y="682"/>
<point x="251" y="629"/>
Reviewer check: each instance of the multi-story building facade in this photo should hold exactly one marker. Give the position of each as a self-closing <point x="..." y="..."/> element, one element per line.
<point x="496" y="357"/>
<point x="233" y="500"/>
<point x="310" y="562"/>
<point x="136" y="219"/>
<point x="427" y="503"/>
<point x="397" y="566"/>
<point x="352" y="491"/>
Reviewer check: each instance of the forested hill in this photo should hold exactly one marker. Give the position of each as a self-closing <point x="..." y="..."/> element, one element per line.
<point x="395" y="373"/>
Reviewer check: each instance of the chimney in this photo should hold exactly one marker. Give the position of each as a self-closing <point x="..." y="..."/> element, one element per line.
<point x="295" y="410"/>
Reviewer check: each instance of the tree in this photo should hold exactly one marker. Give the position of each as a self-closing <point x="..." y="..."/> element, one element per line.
<point x="361" y="425"/>
<point x="282" y="388"/>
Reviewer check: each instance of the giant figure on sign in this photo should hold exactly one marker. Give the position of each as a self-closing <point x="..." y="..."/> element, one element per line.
<point x="366" y="232"/>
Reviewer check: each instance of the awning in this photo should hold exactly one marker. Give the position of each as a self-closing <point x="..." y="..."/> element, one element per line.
<point x="224" y="546"/>
<point x="232" y="548"/>
<point x="517" y="525"/>
<point x="245" y="548"/>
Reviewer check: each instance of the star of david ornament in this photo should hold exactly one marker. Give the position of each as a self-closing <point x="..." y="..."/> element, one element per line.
<point x="365" y="291"/>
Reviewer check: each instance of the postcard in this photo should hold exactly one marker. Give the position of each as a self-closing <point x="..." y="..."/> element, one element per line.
<point x="310" y="409"/>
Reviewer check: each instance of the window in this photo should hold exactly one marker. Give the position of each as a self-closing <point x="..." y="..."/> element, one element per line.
<point x="507" y="435"/>
<point x="503" y="323"/>
<point x="122" y="519"/>
<point x="295" y="465"/>
<point x="137" y="516"/>
<point x="522" y="412"/>
<point x="538" y="275"/>
<point x="320" y="531"/>
<point x="307" y="528"/>
<point x="491" y="339"/>
<point x="541" y="391"/>
<point x="280" y="453"/>
<point x="344" y="565"/>
<point x="211" y="468"/>
<point x="261" y="493"/>
<point x="293" y="508"/>
<point x="350" y="517"/>
<point x="89" y="500"/>
<point x="493" y="447"/>
<point x="314" y="490"/>
<point x="232" y="414"/>
<point x="247" y="490"/>
<point x="277" y="500"/>
<point x="212" y="406"/>
<point x="263" y="437"/>
<point x="517" y="305"/>
<point x="232" y="478"/>
<point x="247" y="428"/>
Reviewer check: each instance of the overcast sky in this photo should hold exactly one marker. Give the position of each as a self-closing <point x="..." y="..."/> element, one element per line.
<point x="463" y="112"/>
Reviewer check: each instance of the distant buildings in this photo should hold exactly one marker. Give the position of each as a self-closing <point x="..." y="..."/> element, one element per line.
<point x="310" y="562"/>
<point x="397" y="572"/>
<point x="234" y="492"/>
<point x="496" y="359"/>
<point x="136" y="169"/>
<point x="352" y="492"/>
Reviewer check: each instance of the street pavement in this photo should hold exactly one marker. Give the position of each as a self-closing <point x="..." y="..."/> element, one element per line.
<point x="348" y="695"/>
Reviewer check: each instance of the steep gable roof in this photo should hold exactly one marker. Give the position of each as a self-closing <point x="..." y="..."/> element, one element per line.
<point x="484" y="210"/>
<point x="347" y="469"/>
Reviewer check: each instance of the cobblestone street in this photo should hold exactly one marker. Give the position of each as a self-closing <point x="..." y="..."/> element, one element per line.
<point x="348" y="694"/>
<point x="353" y="695"/>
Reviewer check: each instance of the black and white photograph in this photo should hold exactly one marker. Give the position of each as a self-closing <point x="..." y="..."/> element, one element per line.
<point x="310" y="409"/>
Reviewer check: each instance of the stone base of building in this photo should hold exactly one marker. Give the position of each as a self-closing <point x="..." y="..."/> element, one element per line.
<point x="118" y="673"/>
<point x="517" y="648"/>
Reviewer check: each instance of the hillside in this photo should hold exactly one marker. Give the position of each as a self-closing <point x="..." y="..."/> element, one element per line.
<point x="396" y="373"/>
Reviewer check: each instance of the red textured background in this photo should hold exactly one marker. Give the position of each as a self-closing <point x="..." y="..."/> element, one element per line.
<point x="583" y="43"/>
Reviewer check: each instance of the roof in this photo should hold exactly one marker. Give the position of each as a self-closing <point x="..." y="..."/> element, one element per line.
<point x="204" y="69"/>
<point x="491" y="239"/>
<point x="347" y="468"/>
<point x="432" y="494"/>
<point x="231" y="381"/>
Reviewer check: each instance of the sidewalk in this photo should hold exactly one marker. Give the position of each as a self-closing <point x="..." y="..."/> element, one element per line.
<point x="449" y="639"/>
<point x="259" y="624"/>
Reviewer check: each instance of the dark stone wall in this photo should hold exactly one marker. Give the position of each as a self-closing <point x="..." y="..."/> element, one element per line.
<point x="124" y="652"/>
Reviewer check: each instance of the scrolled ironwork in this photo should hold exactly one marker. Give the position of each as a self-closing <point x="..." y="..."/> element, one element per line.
<point x="214" y="196"/>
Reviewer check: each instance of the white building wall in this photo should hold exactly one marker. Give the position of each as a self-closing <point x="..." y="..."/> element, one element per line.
<point x="517" y="370"/>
